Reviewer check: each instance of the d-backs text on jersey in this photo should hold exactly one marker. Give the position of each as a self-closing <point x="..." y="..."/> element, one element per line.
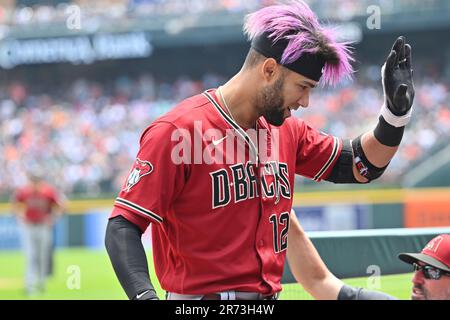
<point x="242" y="181"/>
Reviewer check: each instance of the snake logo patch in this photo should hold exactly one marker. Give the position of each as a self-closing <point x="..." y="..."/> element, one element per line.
<point x="139" y="170"/>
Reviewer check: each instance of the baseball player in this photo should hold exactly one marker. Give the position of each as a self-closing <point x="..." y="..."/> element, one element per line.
<point x="431" y="280"/>
<point x="214" y="177"/>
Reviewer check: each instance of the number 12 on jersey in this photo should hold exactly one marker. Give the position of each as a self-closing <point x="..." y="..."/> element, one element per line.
<point x="280" y="238"/>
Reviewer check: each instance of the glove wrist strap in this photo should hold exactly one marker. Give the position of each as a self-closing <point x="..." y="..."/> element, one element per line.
<point x="387" y="134"/>
<point x="392" y="119"/>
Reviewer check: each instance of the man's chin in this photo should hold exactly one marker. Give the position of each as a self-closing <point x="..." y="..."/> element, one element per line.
<point x="417" y="295"/>
<point x="276" y="121"/>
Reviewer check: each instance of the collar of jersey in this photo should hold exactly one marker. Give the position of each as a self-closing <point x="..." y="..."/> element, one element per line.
<point x="238" y="129"/>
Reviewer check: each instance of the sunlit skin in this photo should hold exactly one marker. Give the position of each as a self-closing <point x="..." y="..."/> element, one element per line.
<point x="290" y="92"/>
<point x="35" y="183"/>
<point x="271" y="90"/>
<point x="429" y="289"/>
<point x="252" y="93"/>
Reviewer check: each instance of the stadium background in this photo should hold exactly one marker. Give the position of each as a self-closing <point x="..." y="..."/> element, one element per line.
<point x="80" y="80"/>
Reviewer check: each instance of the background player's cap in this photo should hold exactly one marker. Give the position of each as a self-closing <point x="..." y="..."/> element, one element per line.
<point x="436" y="253"/>
<point x="36" y="175"/>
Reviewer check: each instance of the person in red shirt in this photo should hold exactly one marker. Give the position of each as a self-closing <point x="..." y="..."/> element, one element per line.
<point x="37" y="207"/>
<point x="215" y="176"/>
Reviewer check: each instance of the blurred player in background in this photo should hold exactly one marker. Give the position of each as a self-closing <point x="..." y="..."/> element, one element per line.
<point x="219" y="230"/>
<point x="37" y="206"/>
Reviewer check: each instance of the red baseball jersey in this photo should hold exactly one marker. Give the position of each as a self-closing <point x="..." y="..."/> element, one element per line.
<point x="38" y="202"/>
<point x="219" y="198"/>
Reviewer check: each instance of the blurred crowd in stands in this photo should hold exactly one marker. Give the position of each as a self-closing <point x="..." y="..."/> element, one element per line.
<point x="24" y="12"/>
<point x="84" y="135"/>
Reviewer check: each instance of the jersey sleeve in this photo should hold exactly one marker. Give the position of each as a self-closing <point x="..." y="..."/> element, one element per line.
<point x="53" y="195"/>
<point x="154" y="180"/>
<point x="317" y="152"/>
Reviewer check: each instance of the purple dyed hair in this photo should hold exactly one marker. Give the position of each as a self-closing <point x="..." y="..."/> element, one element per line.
<point x="297" y="23"/>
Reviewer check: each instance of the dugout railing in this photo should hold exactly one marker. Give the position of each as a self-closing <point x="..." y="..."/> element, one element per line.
<point x="364" y="253"/>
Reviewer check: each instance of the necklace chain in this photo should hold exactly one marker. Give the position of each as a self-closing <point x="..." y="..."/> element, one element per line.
<point x="228" y="109"/>
<point x="225" y="103"/>
<point x="231" y="115"/>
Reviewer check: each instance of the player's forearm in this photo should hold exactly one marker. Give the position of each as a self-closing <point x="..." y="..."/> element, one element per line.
<point x="126" y="252"/>
<point x="377" y="153"/>
<point x="316" y="279"/>
<point x="327" y="289"/>
<point x="307" y="266"/>
<point x="310" y="271"/>
<point x="374" y="150"/>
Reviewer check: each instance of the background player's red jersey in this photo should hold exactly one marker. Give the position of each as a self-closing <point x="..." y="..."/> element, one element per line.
<point x="38" y="202"/>
<point x="220" y="226"/>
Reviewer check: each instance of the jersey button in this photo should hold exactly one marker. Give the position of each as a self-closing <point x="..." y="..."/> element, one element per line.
<point x="261" y="243"/>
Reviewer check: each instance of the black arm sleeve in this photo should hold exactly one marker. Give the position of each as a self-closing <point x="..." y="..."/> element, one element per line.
<point x="126" y="252"/>
<point x="351" y="293"/>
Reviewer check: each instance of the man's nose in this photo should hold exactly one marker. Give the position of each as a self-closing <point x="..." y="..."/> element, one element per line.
<point x="418" y="277"/>
<point x="304" y="100"/>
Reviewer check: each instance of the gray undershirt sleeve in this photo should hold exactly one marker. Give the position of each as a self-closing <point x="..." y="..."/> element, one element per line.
<point x="352" y="293"/>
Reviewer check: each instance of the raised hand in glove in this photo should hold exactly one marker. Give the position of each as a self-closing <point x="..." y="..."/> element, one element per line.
<point x="397" y="75"/>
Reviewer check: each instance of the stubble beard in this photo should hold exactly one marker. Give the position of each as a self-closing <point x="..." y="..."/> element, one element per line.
<point x="272" y="102"/>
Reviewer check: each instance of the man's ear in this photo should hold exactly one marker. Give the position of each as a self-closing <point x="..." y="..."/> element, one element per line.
<point x="270" y="70"/>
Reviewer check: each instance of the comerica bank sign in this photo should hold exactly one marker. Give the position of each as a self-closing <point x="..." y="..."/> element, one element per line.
<point x="75" y="50"/>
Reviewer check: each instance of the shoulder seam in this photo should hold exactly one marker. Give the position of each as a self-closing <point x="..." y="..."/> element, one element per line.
<point x="180" y="115"/>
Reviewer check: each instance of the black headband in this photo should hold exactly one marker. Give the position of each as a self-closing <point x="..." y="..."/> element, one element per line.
<point x="308" y="65"/>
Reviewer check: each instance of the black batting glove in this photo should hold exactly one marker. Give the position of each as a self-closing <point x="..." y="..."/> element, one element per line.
<point x="397" y="77"/>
